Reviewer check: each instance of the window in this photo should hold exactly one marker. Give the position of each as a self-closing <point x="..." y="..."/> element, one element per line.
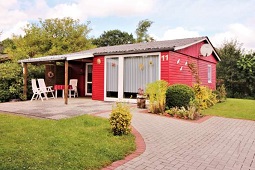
<point x="138" y="72"/>
<point x="209" y="74"/>
<point x="112" y="67"/>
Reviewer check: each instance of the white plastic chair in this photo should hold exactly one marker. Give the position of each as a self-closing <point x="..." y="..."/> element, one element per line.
<point x="45" y="89"/>
<point x="73" y="83"/>
<point x="37" y="93"/>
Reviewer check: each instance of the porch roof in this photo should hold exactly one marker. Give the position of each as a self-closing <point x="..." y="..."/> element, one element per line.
<point x="155" y="46"/>
<point x="71" y="56"/>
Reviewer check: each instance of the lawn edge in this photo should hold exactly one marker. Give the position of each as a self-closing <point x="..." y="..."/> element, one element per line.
<point x="140" y="148"/>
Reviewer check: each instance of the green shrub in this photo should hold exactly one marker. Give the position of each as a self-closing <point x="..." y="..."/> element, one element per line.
<point x="179" y="95"/>
<point x="11" y="80"/>
<point x="120" y="119"/>
<point x="189" y="113"/>
<point x="156" y="92"/>
<point x="218" y="95"/>
<point x="223" y="93"/>
<point x="192" y="112"/>
<point x="204" y="96"/>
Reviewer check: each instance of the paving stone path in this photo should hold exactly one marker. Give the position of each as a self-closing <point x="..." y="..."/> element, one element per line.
<point x="215" y="144"/>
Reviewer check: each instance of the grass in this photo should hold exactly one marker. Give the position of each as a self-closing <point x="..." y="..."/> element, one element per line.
<point x="233" y="108"/>
<point x="83" y="142"/>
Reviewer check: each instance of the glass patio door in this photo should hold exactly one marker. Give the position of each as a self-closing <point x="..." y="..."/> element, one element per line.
<point x="88" y="78"/>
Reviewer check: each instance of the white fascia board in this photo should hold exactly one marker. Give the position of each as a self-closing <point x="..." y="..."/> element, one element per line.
<point x="78" y="56"/>
<point x="187" y="45"/>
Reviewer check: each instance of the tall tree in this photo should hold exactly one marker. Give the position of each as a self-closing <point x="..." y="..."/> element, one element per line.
<point x="53" y="36"/>
<point x="114" y="37"/>
<point x="228" y="70"/>
<point x="142" y="31"/>
<point x="246" y="76"/>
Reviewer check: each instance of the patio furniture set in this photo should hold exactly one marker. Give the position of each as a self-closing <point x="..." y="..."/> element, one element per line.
<point x="42" y="91"/>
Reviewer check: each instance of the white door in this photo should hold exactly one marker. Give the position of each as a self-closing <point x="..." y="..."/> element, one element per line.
<point x="88" y="79"/>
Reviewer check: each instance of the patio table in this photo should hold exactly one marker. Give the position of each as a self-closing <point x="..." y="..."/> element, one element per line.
<point x="60" y="87"/>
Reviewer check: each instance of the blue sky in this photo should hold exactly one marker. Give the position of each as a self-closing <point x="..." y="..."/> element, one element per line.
<point x="220" y="20"/>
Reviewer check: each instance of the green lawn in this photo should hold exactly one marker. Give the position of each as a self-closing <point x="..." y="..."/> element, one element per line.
<point x="233" y="108"/>
<point x="83" y="142"/>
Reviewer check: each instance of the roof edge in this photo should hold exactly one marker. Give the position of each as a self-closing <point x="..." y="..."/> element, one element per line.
<point x="135" y="51"/>
<point x="205" y="38"/>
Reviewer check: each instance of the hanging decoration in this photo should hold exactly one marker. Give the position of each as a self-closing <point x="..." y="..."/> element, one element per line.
<point x="113" y="64"/>
<point x="50" y="74"/>
<point x="141" y="66"/>
<point x="151" y="63"/>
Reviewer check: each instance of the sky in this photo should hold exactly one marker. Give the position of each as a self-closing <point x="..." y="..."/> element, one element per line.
<point x="220" y="20"/>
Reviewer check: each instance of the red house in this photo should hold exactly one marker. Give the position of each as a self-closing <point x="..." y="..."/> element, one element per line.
<point x="117" y="72"/>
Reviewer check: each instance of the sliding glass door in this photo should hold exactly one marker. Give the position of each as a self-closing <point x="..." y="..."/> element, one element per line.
<point x="124" y="75"/>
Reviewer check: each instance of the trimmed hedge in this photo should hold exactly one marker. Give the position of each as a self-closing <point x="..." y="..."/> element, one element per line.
<point x="179" y="95"/>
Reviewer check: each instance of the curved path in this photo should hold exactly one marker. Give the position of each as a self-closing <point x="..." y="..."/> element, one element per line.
<point x="217" y="143"/>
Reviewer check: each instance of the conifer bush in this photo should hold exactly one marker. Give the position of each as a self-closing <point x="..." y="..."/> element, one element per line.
<point x="120" y="119"/>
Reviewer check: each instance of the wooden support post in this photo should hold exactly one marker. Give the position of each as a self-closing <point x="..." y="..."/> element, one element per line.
<point x="24" y="80"/>
<point x="66" y="82"/>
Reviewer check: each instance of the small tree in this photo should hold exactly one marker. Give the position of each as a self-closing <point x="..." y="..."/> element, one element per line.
<point x="141" y="31"/>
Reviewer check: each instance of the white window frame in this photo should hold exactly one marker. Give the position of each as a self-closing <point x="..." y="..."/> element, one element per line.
<point x="121" y="74"/>
<point x="86" y="81"/>
<point x="209" y="73"/>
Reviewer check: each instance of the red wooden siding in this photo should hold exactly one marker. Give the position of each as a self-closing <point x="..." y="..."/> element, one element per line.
<point x="202" y="63"/>
<point x="98" y="78"/>
<point x="194" y="51"/>
<point x="178" y="72"/>
<point x="164" y="66"/>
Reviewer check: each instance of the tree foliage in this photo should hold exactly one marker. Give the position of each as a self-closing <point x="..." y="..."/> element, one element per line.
<point x="236" y="70"/>
<point x="52" y="37"/>
<point x="114" y="37"/>
<point x="142" y="31"/>
<point x="48" y="37"/>
<point x="246" y="76"/>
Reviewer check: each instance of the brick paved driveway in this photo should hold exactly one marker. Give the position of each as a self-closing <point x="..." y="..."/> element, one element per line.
<point x="217" y="143"/>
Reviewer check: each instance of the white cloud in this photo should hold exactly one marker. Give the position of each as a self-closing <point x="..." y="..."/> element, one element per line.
<point x="104" y="8"/>
<point x="11" y="18"/>
<point x="179" y="32"/>
<point x="65" y="10"/>
<point x="15" y="13"/>
<point x="242" y="33"/>
<point x="17" y="29"/>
